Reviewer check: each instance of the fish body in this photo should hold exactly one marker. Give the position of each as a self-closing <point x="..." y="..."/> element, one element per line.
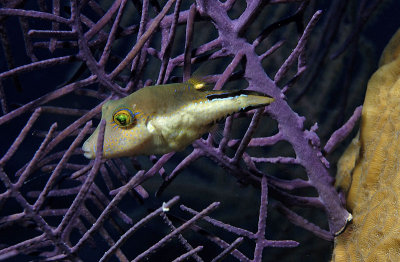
<point x="164" y="118"/>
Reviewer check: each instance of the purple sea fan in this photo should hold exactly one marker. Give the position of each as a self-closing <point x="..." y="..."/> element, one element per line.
<point x="62" y="60"/>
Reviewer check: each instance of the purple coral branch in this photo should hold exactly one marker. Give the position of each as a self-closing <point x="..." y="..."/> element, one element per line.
<point x="82" y="171"/>
<point x="179" y="60"/>
<point x="298" y="49"/>
<point x="111" y="36"/>
<point x="19" y="217"/>
<point x="187" y="53"/>
<point x="279" y="159"/>
<point x="227" y="227"/>
<point x="72" y="211"/>
<point x="327" y="37"/>
<point x="102" y="231"/>
<point x="29" y="211"/>
<point x="27" y="39"/>
<point x="34" y="14"/>
<point x="134" y="51"/>
<point x="184" y="163"/>
<point x="86" y="54"/>
<point x="300" y="221"/>
<point x="228" y="71"/>
<point x="35" y="159"/>
<point x="247" y="136"/>
<point x="142" y="27"/>
<point x="226" y="134"/>
<point x="288" y="184"/>
<point x="57" y="171"/>
<point x="235" y="253"/>
<point x="54" y="26"/>
<point x="262" y="217"/>
<point x="188" y="254"/>
<point x="56" y="192"/>
<point x="259" y="236"/>
<point x="39" y="65"/>
<point x="296" y="17"/>
<point x="340" y="134"/>
<point x="272" y="49"/>
<point x="107" y="255"/>
<point x="166" y="51"/>
<point x="177" y="231"/>
<point x="101" y="200"/>
<point x="294" y="134"/>
<point x="105" y="18"/>
<point x="261" y="242"/>
<point x="106" y="212"/>
<point x="122" y="174"/>
<point x="20" y="138"/>
<point x="68" y="130"/>
<point x="24" y="246"/>
<point x="228" y="250"/>
<point x="259" y="141"/>
<point x="181" y="239"/>
<point x="46" y="98"/>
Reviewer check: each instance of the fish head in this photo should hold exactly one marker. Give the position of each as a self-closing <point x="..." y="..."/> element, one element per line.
<point x="125" y="131"/>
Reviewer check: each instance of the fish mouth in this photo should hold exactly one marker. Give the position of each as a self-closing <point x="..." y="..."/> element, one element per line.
<point x="88" y="155"/>
<point x="87" y="152"/>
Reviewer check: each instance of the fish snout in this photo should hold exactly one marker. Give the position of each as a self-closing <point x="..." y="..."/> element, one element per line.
<point x="88" y="149"/>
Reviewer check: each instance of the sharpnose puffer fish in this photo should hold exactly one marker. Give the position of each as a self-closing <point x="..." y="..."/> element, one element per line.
<point x="164" y="118"/>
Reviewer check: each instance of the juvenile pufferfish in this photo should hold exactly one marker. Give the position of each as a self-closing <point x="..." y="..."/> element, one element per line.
<point x="164" y="118"/>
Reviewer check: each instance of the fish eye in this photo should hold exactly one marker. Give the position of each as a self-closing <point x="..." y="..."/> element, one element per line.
<point x="123" y="117"/>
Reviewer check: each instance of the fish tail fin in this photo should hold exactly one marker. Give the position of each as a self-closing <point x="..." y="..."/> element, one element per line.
<point x="250" y="100"/>
<point x="247" y="99"/>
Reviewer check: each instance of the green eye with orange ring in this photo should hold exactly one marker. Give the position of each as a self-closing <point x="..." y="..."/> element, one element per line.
<point x="123" y="117"/>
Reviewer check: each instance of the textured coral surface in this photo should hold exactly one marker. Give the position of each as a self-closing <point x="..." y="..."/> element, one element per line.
<point x="369" y="170"/>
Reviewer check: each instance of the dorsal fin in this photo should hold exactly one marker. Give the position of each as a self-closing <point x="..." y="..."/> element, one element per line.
<point x="199" y="84"/>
